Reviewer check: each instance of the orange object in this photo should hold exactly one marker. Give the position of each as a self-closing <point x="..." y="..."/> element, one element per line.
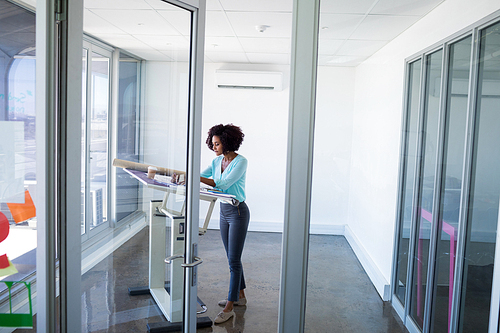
<point x="22" y="212"/>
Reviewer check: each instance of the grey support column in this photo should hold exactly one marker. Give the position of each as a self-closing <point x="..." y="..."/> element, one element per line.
<point x="58" y="111"/>
<point x="299" y="166"/>
<point x="69" y="162"/>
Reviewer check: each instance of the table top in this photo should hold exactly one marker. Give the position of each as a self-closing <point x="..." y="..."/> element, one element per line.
<point x="175" y="188"/>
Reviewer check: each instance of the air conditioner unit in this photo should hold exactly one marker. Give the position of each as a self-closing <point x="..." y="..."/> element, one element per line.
<point x="249" y="80"/>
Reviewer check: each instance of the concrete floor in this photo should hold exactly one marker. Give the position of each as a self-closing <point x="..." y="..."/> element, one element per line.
<point x="340" y="296"/>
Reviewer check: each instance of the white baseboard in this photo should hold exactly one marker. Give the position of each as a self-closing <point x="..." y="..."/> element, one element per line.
<point x="322" y="229"/>
<point x="374" y="273"/>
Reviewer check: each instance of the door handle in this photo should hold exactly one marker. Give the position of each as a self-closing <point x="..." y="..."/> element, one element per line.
<point x="203" y="306"/>
<point x="196" y="262"/>
<point x="168" y="260"/>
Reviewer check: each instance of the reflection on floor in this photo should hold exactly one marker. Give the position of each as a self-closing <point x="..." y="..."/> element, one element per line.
<point x="340" y="296"/>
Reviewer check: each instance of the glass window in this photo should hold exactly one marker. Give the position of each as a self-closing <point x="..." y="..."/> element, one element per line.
<point x="426" y="190"/>
<point x="485" y="190"/>
<point x="127" y="188"/>
<point x="98" y="139"/>
<point x="18" y="177"/>
<point x="95" y="138"/>
<point x="409" y="158"/>
<point x="455" y="130"/>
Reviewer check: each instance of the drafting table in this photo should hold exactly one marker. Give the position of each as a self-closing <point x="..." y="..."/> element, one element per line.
<point x="166" y="283"/>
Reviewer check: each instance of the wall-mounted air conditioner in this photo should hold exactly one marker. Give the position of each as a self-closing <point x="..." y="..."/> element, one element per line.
<point x="249" y="80"/>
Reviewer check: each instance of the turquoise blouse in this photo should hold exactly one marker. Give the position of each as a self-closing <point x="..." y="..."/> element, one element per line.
<point x="232" y="180"/>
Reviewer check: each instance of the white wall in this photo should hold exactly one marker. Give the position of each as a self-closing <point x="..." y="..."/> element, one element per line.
<point x="377" y="127"/>
<point x="263" y="117"/>
<point x="332" y="149"/>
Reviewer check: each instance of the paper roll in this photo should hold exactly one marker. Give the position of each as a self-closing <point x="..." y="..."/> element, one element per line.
<point x="144" y="167"/>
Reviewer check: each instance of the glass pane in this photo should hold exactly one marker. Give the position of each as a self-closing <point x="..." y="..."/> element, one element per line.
<point x="132" y="254"/>
<point x="18" y="165"/>
<point x="98" y="140"/>
<point x="127" y="189"/>
<point x="456" y="119"/>
<point x="485" y="190"/>
<point x="409" y="160"/>
<point x="426" y="191"/>
<point x="84" y="121"/>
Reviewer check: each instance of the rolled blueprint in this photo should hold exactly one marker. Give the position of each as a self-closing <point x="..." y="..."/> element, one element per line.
<point x="144" y="167"/>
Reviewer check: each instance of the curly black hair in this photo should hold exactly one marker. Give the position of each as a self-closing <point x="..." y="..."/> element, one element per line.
<point x="230" y="137"/>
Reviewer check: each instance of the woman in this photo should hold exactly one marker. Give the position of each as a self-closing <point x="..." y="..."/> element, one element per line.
<point x="227" y="173"/>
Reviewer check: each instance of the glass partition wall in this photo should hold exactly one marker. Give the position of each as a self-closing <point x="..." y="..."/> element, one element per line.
<point x="18" y="166"/>
<point x="449" y="186"/>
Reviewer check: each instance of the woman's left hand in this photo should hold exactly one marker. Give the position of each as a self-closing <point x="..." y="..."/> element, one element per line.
<point x="176" y="179"/>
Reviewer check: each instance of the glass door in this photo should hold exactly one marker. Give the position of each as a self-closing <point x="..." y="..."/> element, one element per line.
<point x="95" y="123"/>
<point x="143" y="274"/>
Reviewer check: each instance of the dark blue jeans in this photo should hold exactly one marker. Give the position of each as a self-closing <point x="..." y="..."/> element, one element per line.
<point x="233" y="230"/>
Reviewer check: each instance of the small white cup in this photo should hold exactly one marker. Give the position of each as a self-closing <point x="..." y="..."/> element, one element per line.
<point x="152" y="172"/>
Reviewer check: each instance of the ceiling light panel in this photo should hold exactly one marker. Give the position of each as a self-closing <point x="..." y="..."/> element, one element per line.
<point x="257" y="5"/>
<point x="405" y="7"/>
<point x="137" y="22"/>
<point x="383" y="27"/>
<point x="339" y="26"/>
<point x="244" y="23"/>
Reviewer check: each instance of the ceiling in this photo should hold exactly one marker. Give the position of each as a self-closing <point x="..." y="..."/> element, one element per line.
<point x="350" y="31"/>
